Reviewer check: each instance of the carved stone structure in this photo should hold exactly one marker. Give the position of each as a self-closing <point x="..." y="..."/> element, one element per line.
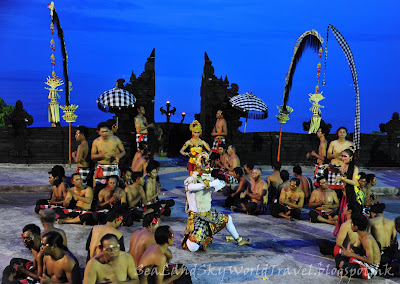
<point x="215" y="94"/>
<point x="144" y="87"/>
<point x="392" y="128"/>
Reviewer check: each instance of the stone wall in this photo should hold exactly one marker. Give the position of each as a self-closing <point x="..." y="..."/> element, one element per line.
<point x="50" y="145"/>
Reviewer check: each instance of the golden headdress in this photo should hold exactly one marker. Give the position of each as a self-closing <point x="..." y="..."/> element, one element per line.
<point x="195" y="126"/>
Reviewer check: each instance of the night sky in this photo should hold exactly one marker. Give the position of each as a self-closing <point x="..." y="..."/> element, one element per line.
<point x="249" y="41"/>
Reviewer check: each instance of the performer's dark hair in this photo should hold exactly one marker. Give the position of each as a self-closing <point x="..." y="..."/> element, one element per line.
<point x="136" y="176"/>
<point x="362" y="175"/>
<point x="55" y="239"/>
<point x="114" y="176"/>
<point x="238" y="171"/>
<point x="150" y="167"/>
<point x="370" y="177"/>
<point x="277" y="165"/>
<point x="325" y="129"/>
<point x="83" y="130"/>
<point x="110" y="123"/>
<point x="75" y="174"/>
<point x="397" y="222"/>
<point x="57" y="171"/>
<point x="378" y="207"/>
<point x="222" y="145"/>
<point x="319" y="180"/>
<point x="142" y="145"/>
<point x="233" y="147"/>
<point x="284" y="175"/>
<point x="250" y="166"/>
<point x="162" y="235"/>
<point x="48" y="216"/>
<point x="33" y="228"/>
<point x="296" y="180"/>
<point x="101" y="125"/>
<point x="148" y="219"/>
<point x="115" y="213"/>
<point x="360" y="221"/>
<point x="107" y="237"/>
<point x="355" y="208"/>
<point x="297" y="170"/>
<point x="341" y="127"/>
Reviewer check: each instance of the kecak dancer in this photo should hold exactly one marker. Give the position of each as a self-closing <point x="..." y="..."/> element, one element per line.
<point x="203" y="220"/>
<point x="196" y="145"/>
<point x="219" y="133"/>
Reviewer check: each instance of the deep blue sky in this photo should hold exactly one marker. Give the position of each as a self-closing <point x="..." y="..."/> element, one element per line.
<point x="249" y="41"/>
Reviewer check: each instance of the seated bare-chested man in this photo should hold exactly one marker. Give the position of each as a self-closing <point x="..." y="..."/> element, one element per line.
<point x="291" y="201"/>
<point x="107" y="150"/>
<point x="153" y="191"/>
<point x="83" y="197"/>
<point x="252" y="199"/>
<point x="233" y="198"/>
<point x="325" y="201"/>
<point x="48" y="218"/>
<point x="110" y="265"/>
<point x="59" y="190"/>
<point x="346" y="238"/>
<point x="144" y="238"/>
<point x="111" y="195"/>
<point x="114" y="220"/>
<point x="20" y="269"/>
<point x="139" y="153"/>
<point x="59" y="264"/>
<point x="321" y="156"/>
<point x="365" y="265"/>
<point x="367" y="181"/>
<point x="273" y="180"/>
<point x="155" y="256"/>
<point x="223" y="157"/>
<point x="228" y="174"/>
<point x="142" y="162"/>
<point x="334" y="153"/>
<point x="305" y="185"/>
<point x="81" y="154"/>
<point x="384" y="232"/>
<point x="284" y="174"/>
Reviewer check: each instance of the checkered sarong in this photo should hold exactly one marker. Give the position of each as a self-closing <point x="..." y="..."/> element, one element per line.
<point x="103" y="172"/>
<point x="84" y="172"/>
<point x="318" y="172"/>
<point x="202" y="226"/>
<point x="216" y="143"/>
<point x="140" y="137"/>
<point x="332" y="175"/>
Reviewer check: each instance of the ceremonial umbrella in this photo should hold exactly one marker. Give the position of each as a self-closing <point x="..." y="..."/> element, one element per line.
<point x="254" y="107"/>
<point x="115" y="99"/>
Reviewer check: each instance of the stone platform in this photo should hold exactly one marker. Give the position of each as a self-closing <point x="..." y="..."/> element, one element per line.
<point x="280" y="251"/>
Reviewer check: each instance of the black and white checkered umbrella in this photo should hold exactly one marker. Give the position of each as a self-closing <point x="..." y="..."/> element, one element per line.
<point x="115" y="99"/>
<point x="251" y="104"/>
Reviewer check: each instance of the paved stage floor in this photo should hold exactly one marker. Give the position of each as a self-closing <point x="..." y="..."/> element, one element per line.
<point x="280" y="251"/>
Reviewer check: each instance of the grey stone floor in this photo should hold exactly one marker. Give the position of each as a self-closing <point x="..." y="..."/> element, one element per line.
<point x="280" y="252"/>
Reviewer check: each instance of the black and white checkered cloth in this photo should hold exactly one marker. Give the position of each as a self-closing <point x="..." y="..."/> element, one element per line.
<point x="116" y="98"/>
<point x="349" y="55"/>
<point x="251" y="103"/>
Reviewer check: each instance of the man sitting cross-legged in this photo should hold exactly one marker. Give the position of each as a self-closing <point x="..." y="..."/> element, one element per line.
<point x="363" y="266"/>
<point x="110" y="265"/>
<point x="346" y="238"/>
<point x="274" y="180"/>
<point x="156" y="257"/>
<point x="223" y="157"/>
<point x="233" y="199"/>
<point x="136" y="197"/>
<point x="384" y="232"/>
<point x="111" y="195"/>
<point x="153" y="190"/>
<point x="59" y="264"/>
<point x="144" y="238"/>
<point x="114" y="220"/>
<point x="142" y="162"/>
<point x="83" y="196"/>
<point x="290" y="202"/>
<point x="252" y="201"/>
<point x="324" y="200"/>
<point x="22" y="269"/>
